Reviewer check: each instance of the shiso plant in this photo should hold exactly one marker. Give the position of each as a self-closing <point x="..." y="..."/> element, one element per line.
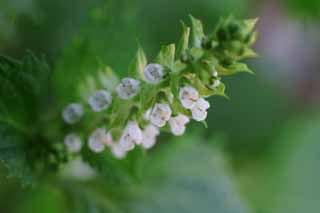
<point x="117" y="116"/>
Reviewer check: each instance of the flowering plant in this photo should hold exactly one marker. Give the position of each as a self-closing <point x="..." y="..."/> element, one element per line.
<point x="119" y="115"/>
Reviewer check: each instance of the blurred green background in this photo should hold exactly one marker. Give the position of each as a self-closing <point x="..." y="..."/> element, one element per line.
<point x="261" y="151"/>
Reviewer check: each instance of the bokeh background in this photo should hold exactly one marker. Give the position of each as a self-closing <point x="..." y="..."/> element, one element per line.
<point x="261" y="151"/>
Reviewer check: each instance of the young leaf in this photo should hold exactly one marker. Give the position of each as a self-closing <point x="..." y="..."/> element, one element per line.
<point x="166" y="56"/>
<point x="184" y="41"/>
<point x="197" y="32"/>
<point x="138" y="64"/>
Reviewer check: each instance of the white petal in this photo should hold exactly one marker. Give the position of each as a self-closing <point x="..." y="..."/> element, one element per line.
<point x="118" y="152"/>
<point x="215" y="74"/>
<point x="177" y="124"/>
<point x="188" y="95"/>
<point x="128" y="88"/>
<point x="154" y="73"/>
<point x="202" y="104"/>
<point x="101" y="100"/>
<point x="126" y="143"/>
<point x="198" y="114"/>
<point x="97" y="140"/>
<point x="73" y="143"/>
<point x="160" y="114"/>
<point x="72" y="113"/>
<point x="134" y="131"/>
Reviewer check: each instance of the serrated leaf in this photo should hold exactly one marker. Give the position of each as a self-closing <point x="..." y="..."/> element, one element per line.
<point x="138" y="64"/>
<point x="250" y="23"/>
<point x="166" y="56"/>
<point x="197" y="32"/>
<point x="184" y="40"/>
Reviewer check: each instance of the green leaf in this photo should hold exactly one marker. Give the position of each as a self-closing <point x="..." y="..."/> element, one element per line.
<point x="185" y="176"/>
<point x="24" y="89"/>
<point x="184" y="40"/>
<point x="138" y="64"/>
<point x="197" y="32"/>
<point x="250" y="23"/>
<point x="13" y="153"/>
<point x="166" y="56"/>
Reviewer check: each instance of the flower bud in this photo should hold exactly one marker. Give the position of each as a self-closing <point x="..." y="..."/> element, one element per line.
<point x="128" y="88"/>
<point x="131" y="135"/>
<point x="72" y="113"/>
<point x="154" y="73"/>
<point x="73" y="143"/>
<point x="188" y="96"/>
<point x="199" y="111"/>
<point x="160" y="114"/>
<point x="150" y="134"/>
<point x="215" y="74"/>
<point x="215" y="84"/>
<point x="178" y="124"/>
<point x="101" y="100"/>
<point x="98" y="139"/>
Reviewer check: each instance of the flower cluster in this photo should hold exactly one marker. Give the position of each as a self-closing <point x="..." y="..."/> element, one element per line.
<point x="163" y="94"/>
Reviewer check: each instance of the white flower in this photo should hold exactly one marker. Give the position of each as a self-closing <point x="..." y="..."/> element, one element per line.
<point x="131" y="135"/>
<point x="160" y="114"/>
<point x="117" y="151"/>
<point x="188" y="96"/>
<point x="101" y="100"/>
<point x="150" y="134"/>
<point x="73" y="143"/>
<point x="215" y="84"/>
<point x="98" y="140"/>
<point x="154" y="73"/>
<point x="178" y="124"/>
<point x="199" y="111"/>
<point x="128" y="88"/>
<point x="72" y="113"/>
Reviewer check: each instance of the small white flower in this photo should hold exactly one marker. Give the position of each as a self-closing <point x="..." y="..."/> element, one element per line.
<point x="215" y="84"/>
<point x="160" y="114"/>
<point x="150" y="134"/>
<point x="117" y="151"/>
<point x="178" y="124"/>
<point x="154" y="73"/>
<point x="188" y="96"/>
<point x="128" y="88"/>
<point x="72" y="113"/>
<point x="131" y="135"/>
<point x="73" y="143"/>
<point x="101" y="100"/>
<point x="98" y="140"/>
<point x="199" y="111"/>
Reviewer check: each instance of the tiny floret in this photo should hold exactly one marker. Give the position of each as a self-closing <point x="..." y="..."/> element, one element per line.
<point x="199" y="111"/>
<point x="73" y="143"/>
<point x="131" y="136"/>
<point x="154" y="73"/>
<point x="150" y="134"/>
<point x="178" y="124"/>
<point x="160" y="114"/>
<point x="188" y="96"/>
<point x="98" y="140"/>
<point x="101" y="100"/>
<point x="128" y="88"/>
<point x="72" y="113"/>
